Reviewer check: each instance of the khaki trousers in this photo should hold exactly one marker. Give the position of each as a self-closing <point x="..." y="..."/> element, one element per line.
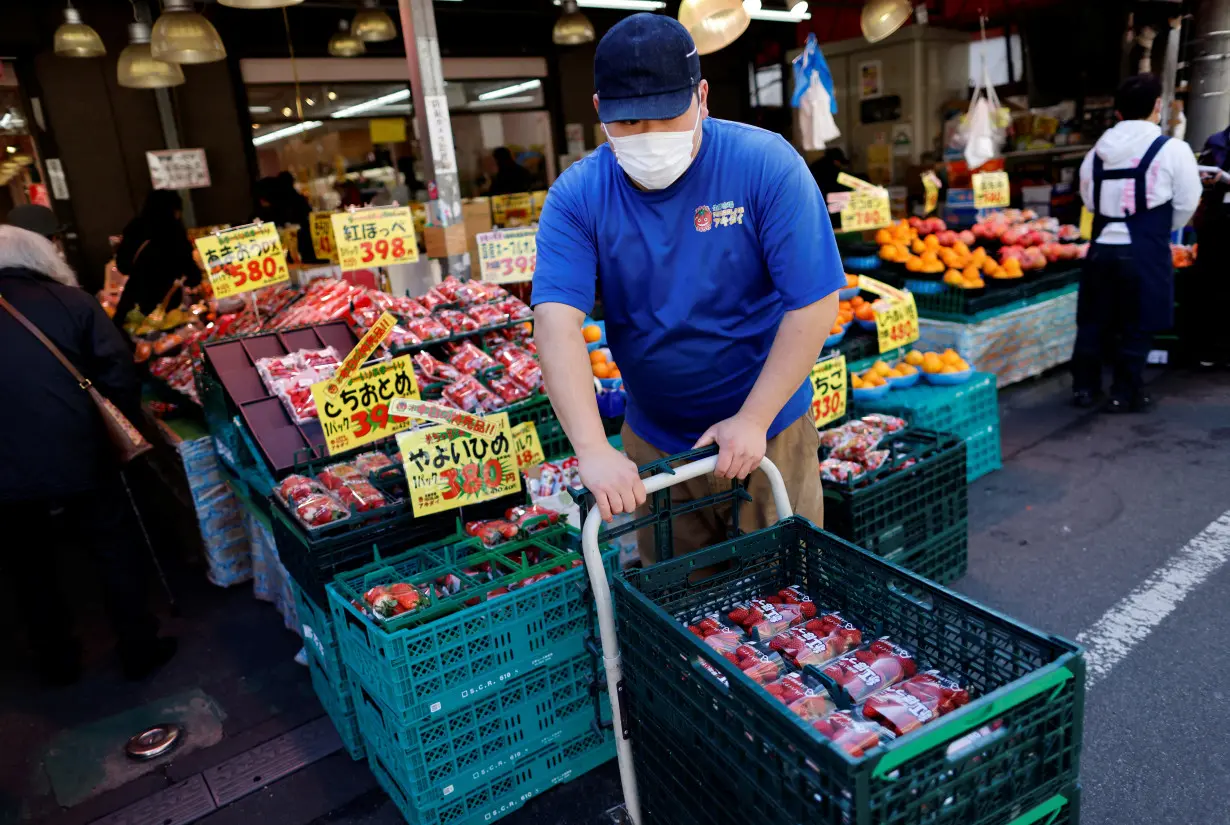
<point x="795" y="452"/>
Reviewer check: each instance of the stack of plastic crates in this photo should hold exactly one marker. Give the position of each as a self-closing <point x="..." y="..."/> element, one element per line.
<point x="328" y="674"/>
<point x="969" y="410"/>
<point x="917" y="516"/>
<point x="483" y="697"/>
<point x="710" y="745"/>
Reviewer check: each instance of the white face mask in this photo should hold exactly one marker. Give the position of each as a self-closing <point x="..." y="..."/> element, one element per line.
<point x="655" y="160"/>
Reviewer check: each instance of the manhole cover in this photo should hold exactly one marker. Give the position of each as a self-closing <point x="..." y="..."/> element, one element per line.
<point x="153" y="742"/>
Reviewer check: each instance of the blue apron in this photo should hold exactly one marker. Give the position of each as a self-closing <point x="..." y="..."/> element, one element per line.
<point x="1144" y="288"/>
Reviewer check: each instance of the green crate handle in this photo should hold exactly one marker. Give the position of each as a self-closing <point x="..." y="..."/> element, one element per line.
<point x="926" y="740"/>
<point x="1050" y="808"/>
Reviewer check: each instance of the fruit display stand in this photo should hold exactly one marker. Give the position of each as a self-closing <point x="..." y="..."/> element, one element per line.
<point x="701" y="743"/>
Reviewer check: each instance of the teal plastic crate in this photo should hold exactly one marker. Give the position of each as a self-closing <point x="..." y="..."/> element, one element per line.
<point x="497" y="797"/>
<point x="319" y="641"/>
<point x="451" y="754"/>
<point x="983" y="452"/>
<point x="434" y="668"/>
<point x="338" y="703"/>
<point x="962" y="409"/>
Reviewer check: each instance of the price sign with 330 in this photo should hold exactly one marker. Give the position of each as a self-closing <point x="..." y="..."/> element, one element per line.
<point x="896" y="323"/>
<point x="991" y="190"/>
<point x="368" y="238"/>
<point x="359" y="413"/>
<point x="828" y="390"/>
<point x="508" y="256"/>
<point x="240" y="260"/>
<point x="447" y="467"/>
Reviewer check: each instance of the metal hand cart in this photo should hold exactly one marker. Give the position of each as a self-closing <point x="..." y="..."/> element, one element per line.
<point x="714" y="746"/>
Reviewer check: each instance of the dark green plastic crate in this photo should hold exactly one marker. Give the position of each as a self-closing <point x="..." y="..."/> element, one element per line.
<point x="554" y="440"/>
<point x="498" y="796"/>
<point x="942" y="557"/>
<point x="338" y="703"/>
<point x="418" y="672"/>
<point x="1013" y="748"/>
<point x="452" y="753"/>
<point x="898" y="510"/>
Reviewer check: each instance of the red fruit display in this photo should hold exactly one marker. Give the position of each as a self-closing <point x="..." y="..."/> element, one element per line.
<point x="793" y="595"/>
<point x="863" y="672"/>
<point x="914" y="702"/>
<point x="763" y="620"/>
<point x="852" y="735"/>
<point x="817" y="641"/>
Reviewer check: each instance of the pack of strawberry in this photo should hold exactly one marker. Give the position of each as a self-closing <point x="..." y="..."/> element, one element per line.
<point x="817" y="641"/>
<point x="915" y="702"/>
<point x="862" y="672"/>
<point x="761" y="619"/>
<point x="392" y="600"/>
<point x="803" y="694"/>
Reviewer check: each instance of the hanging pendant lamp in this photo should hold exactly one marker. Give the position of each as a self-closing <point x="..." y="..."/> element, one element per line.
<point x="75" y="39"/>
<point x="259" y="4"/>
<point x="181" y="35"/>
<point x="372" y="24"/>
<point x="344" y="43"/>
<point x="573" y="28"/>
<point x="139" y="69"/>
<point x="881" y="18"/>
<point x="713" y="24"/>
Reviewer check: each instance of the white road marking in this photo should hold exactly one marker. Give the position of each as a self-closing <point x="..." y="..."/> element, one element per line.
<point x="1129" y="622"/>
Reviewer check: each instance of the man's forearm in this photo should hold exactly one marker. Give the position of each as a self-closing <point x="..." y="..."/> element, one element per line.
<point x="800" y="337"/>
<point x="567" y="373"/>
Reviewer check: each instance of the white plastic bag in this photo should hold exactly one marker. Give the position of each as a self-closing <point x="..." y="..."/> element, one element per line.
<point x="816" y="124"/>
<point x="983" y="130"/>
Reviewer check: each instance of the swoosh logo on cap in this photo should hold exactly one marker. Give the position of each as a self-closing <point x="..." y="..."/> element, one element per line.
<point x="689" y="54"/>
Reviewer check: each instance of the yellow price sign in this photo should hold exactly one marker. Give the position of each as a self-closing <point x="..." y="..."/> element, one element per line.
<point x="447" y="467"/>
<point x="512" y="210"/>
<point x="243" y="259"/>
<point x="419" y="211"/>
<point x="439" y="414"/>
<point x="1086" y="226"/>
<point x="931" y="188"/>
<point x="896" y="323"/>
<point x="866" y="209"/>
<point x="359" y="413"/>
<point x="507" y="256"/>
<point x="991" y="190"/>
<point x="828" y="390"/>
<point x="363" y="350"/>
<point x="369" y="238"/>
<point x="322" y="236"/>
<point x="539" y="198"/>
<point x="526" y="447"/>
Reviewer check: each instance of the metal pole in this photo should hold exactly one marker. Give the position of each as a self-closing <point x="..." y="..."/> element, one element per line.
<point x="1208" y="99"/>
<point x="170" y="132"/>
<point x="1170" y="70"/>
<point x="435" y="129"/>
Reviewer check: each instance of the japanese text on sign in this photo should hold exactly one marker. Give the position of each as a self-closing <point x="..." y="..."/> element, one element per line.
<point x="508" y="256"/>
<point x="828" y="390"/>
<point x="896" y="314"/>
<point x="322" y="236"/>
<point x="369" y="238"/>
<point x="363" y="350"/>
<point x="447" y="467"/>
<point x="440" y="414"/>
<point x="931" y="188"/>
<point x="512" y="210"/>
<point x="866" y="209"/>
<point x="178" y="169"/>
<point x="359" y="414"/>
<point x="540" y="198"/>
<point x="243" y="259"/>
<point x="527" y="448"/>
<point x="991" y="190"/>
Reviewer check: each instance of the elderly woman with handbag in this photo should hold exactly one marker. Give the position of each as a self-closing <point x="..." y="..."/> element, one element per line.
<point x="70" y="392"/>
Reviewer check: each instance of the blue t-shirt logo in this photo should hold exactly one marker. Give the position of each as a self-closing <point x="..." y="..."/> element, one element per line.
<point x="691" y="315"/>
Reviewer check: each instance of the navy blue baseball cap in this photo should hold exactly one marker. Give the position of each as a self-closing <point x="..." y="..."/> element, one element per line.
<point x="645" y="68"/>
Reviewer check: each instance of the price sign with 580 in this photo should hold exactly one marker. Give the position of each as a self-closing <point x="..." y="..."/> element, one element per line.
<point x="828" y="390"/>
<point x="243" y="259"/>
<point x="447" y="467"/>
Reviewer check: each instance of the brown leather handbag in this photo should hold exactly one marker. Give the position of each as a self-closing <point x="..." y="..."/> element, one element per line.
<point x="127" y="440"/>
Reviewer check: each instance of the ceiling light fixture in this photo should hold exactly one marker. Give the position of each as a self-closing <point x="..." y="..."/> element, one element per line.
<point x="181" y="35"/>
<point x="332" y="95"/>
<point x="344" y="43"/>
<point x="621" y="5"/>
<point x="287" y="111"/>
<point x="259" y="4"/>
<point x="260" y="110"/>
<point x="139" y="69"/>
<point x="374" y="103"/>
<point x="504" y="101"/>
<point x="713" y="24"/>
<point x="309" y="101"/>
<point x="777" y="16"/>
<point x="881" y="18"/>
<point x="573" y="28"/>
<point x="507" y="91"/>
<point x="372" y="24"/>
<point x="289" y="131"/>
<point x="75" y="39"/>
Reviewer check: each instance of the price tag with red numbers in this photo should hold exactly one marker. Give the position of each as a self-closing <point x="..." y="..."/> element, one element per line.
<point x="991" y="190"/>
<point x="526" y="446"/>
<point x="448" y="467"/>
<point x="359" y="413"/>
<point x="508" y="256"/>
<point x="866" y="209"/>
<point x="828" y="390"/>
<point x="368" y="238"/>
<point x="240" y="260"/>
<point x="322" y="236"/>
<point x="896" y="322"/>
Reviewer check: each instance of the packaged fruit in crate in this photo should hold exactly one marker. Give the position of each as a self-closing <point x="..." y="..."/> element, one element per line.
<point x="721" y="637"/>
<point x="388" y="601"/>
<point x="758" y="665"/>
<point x="817" y="640"/>
<point x="916" y="701"/>
<point x="762" y="620"/>
<point x="803" y="694"/>
<point x="862" y="672"/>
<point x="853" y="735"/>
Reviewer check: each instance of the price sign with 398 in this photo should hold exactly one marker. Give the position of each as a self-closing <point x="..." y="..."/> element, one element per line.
<point x="374" y="237"/>
<point x="240" y="260"/>
<point x="358" y="413"/>
<point x="828" y="390"/>
<point x="447" y="467"/>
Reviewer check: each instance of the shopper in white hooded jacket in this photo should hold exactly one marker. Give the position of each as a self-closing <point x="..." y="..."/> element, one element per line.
<point x="1139" y="185"/>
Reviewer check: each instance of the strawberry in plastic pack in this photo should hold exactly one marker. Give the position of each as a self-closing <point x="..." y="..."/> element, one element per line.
<point x="516" y="309"/>
<point x="360" y="496"/>
<point x="369" y="463"/>
<point x="854" y="736"/>
<point x="840" y="472"/>
<point x="487" y="315"/>
<point x="817" y="641"/>
<point x="456" y="321"/>
<point x="469" y="395"/>
<point x="434" y="369"/>
<point x="532" y="519"/>
<point x="319" y="509"/>
<point x="508" y="390"/>
<point x="916" y="701"/>
<point x="863" y="672"/>
<point x="803" y="694"/>
<point x="387" y="601"/>
<point x="763" y="620"/>
<point x="759" y="666"/>
<point x="337" y="476"/>
<point x="887" y="423"/>
<point x="433" y="299"/>
<point x="794" y="595"/>
<point x="527" y="373"/>
<point x="295" y="488"/>
<point x="722" y="638"/>
<point x="470" y="359"/>
<point x="492" y="532"/>
<point x="428" y="329"/>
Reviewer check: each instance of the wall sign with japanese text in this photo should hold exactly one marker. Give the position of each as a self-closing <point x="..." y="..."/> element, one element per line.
<point x="991" y="190"/>
<point x="359" y="413"/>
<point x="513" y="210"/>
<point x="447" y="467"/>
<point x="367" y="238"/>
<point x="828" y="390"/>
<point x="178" y="169"/>
<point x="242" y="259"/>
<point x="362" y="351"/>
<point x="526" y="445"/>
<point x="508" y="256"/>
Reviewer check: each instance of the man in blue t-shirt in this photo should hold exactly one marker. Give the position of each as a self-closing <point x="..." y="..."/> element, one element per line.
<point x="712" y="251"/>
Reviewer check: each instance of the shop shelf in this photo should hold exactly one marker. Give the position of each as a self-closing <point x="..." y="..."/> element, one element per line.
<point x="895" y="512"/>
<point x="338" y="703"/>
<point x="964" y="409"/>
<point x="722" y="746"/>
<point x="420" y="670"/>
<point x="497" y="797"/>
<point x="451" y="754"/>
<point x="982" y="450"/>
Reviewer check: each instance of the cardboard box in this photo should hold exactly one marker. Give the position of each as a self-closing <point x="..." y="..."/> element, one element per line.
<point x="442" y="242"/>
<point x="476" y="214"/>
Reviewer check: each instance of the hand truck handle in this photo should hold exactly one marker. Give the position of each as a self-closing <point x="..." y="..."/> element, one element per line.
<point x="606" y="614"/>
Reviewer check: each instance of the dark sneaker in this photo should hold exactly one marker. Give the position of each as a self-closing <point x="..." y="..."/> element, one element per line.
<point x="1139" y="404"/>
<point x="143" y="661"/>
